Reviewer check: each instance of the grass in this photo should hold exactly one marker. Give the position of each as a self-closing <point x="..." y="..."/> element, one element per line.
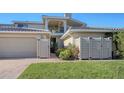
<point x="75" y="70"/>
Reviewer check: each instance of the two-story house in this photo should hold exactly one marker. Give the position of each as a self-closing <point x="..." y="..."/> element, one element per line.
<point x="39" y="39"/>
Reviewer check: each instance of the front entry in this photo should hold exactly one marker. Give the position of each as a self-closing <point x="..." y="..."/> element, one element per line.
<point x="53" y="45"/>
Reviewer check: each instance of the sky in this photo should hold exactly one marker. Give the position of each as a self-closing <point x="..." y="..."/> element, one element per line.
<point x="114" y="20"/>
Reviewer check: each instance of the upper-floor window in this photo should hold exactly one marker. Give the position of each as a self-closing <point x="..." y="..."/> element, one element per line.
<point x="61" y="29"/>
<point x="22" y="25"/>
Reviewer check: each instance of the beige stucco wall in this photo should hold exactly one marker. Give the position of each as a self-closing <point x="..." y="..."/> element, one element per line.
<point x="67" y="41"/>
<point x="77" y="42"/>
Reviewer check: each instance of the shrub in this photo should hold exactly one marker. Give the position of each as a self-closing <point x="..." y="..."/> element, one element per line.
<point x="74" y="50"/>
<point x="66" y="54"/>
<point x="118" y="42"/>
<point x="71" y="52"/>
<point x="58" y="51"/>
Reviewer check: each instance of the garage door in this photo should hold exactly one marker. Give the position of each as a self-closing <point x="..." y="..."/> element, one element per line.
<point x="18" y="47"/>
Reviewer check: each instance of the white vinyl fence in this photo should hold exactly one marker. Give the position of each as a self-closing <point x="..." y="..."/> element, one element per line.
<point x="95" y="48"/>
<point x="43" y="48"/>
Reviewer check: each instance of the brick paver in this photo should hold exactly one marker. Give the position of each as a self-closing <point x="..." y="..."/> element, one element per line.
<point x="12" y="68"/>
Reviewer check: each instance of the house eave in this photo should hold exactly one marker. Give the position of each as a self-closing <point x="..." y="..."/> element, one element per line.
<point x="85" y="30"/>
<point x="64" y="18"/>
<point x="54" y="17"/>
<point x="90" y="30"/>
<point x="24" y="32"/>
<point x="77" y="21"/>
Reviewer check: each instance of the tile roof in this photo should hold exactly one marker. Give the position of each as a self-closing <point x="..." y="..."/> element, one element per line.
<point x="28" y="22"/>
<point x="95" y="28"/>
<point x="20" y="29"/>
<point x="6" y="25"/>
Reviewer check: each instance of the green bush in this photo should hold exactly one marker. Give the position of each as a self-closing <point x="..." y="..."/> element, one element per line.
<point x="74" y="50"/>
<point x="71" y="52"/>
<point x="66" y="54"/>
<point x="59" y="50"/>
<point x="118" y="42"/>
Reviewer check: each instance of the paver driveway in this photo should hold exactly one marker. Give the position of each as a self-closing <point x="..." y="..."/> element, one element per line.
<point x="12" y="68"/>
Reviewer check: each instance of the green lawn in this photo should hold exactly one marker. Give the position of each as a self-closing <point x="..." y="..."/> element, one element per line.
<point x="75" y="70"/>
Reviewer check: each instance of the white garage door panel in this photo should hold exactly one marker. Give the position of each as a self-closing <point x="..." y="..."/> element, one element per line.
<point x="18" y="47"/>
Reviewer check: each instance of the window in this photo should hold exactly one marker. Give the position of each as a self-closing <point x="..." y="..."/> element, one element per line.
<point x="61" y="29"/>
<point x="22" y="25"/>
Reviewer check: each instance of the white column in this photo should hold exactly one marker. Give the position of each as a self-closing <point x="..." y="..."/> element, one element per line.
<point x="101" y="55"/>
<point x="46" y="24"/>
<point x="65" y="25"/>
<point x="58" y="26"/>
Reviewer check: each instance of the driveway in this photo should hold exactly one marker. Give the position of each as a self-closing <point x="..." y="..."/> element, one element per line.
<point x="12" y="68"/>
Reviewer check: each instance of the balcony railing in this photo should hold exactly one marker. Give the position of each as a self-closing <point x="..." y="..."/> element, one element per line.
<point x="6" y="26"/>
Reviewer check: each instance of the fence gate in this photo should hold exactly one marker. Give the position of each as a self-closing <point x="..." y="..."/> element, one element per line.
<point x="95" y="48"/>
<point x="106" y="48"/>
<point x="43" y="50"/>
<point x="84" y="48"/>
